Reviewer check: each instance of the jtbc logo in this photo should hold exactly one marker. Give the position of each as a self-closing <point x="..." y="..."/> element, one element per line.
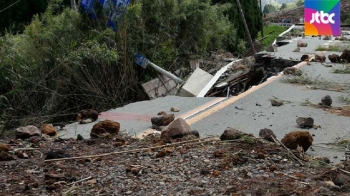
<point x="316" y="17"/>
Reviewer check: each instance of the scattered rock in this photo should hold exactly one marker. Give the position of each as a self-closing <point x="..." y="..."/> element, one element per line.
<point x="334" y="58"/>
<point x="296" y="50"/>
<point x="341" y="179"/>
<point x="298" y="138"/>
<point x="4" y="148"/>
<point x="87" y="116"/>
<point x="327" y="37"/>
<point x="4" y="156"/>
<point x="320" y="57"/>
<point x="267" y="134"/>
<point x="177" y="128"/>
<point x="301" y="44"/>
<point x="304" y="57"/>
<point x="163" y="120"/>
<point x="292" y="71"/>
<point x="22" y="155"/>
<point x="276" y="102"/>
<point x="48" y="129"/>
<point x="80" y="137"/>
<point x="305" y="122"/>
<point x="232" y="134"/>
<point x="56" y="154"/>
<point x="162" y="113"/>
<point x="35" y="139"/>
<point x="195" y="133"/>
<point x="27" y="132"/>
<point x="326" y="100"/>
<point x="345" y="56"/>
<point x="174" y="109"/>
<point x="102" y="128"/>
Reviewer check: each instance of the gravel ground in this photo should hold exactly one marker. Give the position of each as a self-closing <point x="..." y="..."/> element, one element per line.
<point x="249" y="166"/>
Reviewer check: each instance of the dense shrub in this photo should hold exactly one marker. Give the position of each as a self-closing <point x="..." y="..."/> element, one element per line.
<point x="64" y="61"/>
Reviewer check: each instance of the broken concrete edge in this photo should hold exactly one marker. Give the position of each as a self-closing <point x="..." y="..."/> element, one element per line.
<point x="217" y="104"/>
<point x="210" y="84"/>
<point x="286" y="31"/>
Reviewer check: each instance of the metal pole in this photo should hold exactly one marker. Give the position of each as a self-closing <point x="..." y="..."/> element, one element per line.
<point x="166" y="73"/>
<point x="245" y="26"/>
<point x="73" y="5"/>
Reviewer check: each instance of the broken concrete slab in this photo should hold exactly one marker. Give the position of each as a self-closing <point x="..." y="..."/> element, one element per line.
<point x="195" y="83"/>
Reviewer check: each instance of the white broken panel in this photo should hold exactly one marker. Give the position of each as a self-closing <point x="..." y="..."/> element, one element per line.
<point x="195" y="83"/>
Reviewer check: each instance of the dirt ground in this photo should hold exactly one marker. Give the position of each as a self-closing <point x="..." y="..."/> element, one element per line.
<point x="151" y="166"/>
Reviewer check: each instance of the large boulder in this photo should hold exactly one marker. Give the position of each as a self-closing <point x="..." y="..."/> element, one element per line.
<point x="48" y="129"/>
<point x="305" y="122"/>
<point x="27" y="132"/>
<point x="177" y="128"/>
<point x="320" y="57"/>
<point x="104" y="128"/>
<point x="233" y="134"/>
<point x="298" y="138"/>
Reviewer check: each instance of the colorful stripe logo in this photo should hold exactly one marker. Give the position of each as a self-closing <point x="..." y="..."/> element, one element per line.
<point x="322" y="17"/>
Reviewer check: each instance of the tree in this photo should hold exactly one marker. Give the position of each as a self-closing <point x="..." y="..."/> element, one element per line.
<point x="283" y="6"/>
<point x="253" y="16"/>
<point x="268" y="8"/>
<point x="300" y="3"/>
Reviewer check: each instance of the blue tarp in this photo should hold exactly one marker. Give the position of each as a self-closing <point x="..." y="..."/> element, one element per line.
<point x="113" y="9"/>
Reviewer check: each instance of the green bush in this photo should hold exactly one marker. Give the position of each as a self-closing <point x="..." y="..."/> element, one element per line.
<point x="64" y="61"/>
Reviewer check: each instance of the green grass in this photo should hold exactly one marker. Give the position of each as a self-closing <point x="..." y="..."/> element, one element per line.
<point x="273" y="32"/>
<point x="336" y="47"/>
<point x="345" y="70"/>
<point x="345" y="99"/>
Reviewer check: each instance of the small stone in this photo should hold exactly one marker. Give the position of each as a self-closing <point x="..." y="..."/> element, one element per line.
<point x="4" y="156"/>
<point x="296" y="50"/>
<point x="298" y="138"/>
<point x="273" y="168"/>
<point x="117" y="144"/>
<point x="276" y="102"/>
<point x="195" y="133"/>
<point x="305" y="122"/>
<point x="267" y="134"/>
<point x="4" y="147"/>
<point x="326" y="100"/>
<point x="48" y="129"/>
<point x="301" y="44"/>
<point x="87" y="116"/>
<point x="174" y="109"/>
<point x="232" y="134"/>
<point x="162" y="120"/>
<point x="102" y="128"/>
<point x="305" y="57"/>
<point x="80" y="137"/>
<point x="320" y="57"/>
<point x="27" y="132"/>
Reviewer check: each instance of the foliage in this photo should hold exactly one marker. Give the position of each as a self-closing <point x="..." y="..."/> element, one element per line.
<point x="17" y="16"/>
<point x="268" y="8"/>
<point x="300" y="3"/>
<point x="283" y="6"/>
<point x="64" y="61"/>
<point x="253" y="17"/>
<point x="273" y="32"/>
<point x="340" y="47"/>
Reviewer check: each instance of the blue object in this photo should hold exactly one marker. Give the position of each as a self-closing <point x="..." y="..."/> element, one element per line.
<point x="141" y="61"/>
<point x="113" y="9"/>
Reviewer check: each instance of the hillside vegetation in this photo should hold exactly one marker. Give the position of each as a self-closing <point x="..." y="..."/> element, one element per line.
<point x="64" y="61"/>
